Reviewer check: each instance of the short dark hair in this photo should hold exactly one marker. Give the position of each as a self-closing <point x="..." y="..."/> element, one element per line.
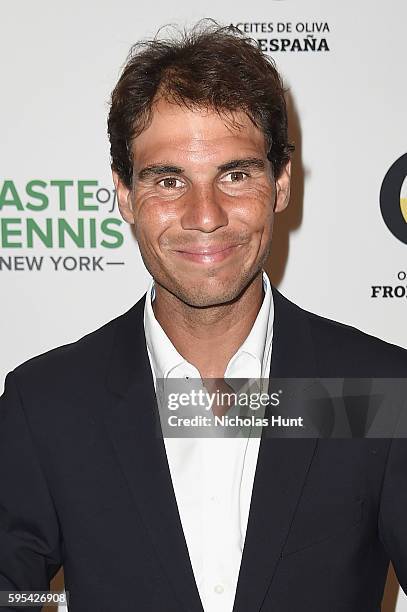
<point x="208" y="66"/>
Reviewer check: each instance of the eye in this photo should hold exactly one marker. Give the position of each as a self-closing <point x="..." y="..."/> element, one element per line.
<point x="237" y="176"/>
<point x="170" y="182"/>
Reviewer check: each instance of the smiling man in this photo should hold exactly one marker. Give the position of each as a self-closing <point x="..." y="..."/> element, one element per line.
<point x="140" y="521"/>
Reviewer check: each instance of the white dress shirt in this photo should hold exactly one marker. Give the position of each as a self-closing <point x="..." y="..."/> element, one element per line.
<point x="213" y="477"/>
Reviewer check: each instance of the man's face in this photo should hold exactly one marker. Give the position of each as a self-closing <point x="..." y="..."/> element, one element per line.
<point x="202" y="202"/>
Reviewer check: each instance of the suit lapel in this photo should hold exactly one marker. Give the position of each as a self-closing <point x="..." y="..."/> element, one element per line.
<point x="133" y="424"/>
<point x="282" y="465"/>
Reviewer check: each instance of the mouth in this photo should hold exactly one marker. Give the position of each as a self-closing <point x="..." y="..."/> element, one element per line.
<point x="207" y="255"/>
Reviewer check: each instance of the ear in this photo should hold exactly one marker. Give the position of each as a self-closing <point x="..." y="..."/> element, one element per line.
<point x="124" y="202"/>
<point x="283" y="188"/>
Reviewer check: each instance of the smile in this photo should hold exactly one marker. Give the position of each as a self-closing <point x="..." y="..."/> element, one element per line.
<point x="207" y="255"/>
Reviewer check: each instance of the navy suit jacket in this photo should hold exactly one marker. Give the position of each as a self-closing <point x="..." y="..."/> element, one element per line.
<point x="85" y="483"/>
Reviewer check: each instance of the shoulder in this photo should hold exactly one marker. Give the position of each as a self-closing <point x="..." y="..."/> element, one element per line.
<point x="341" y="349"/>
<point x="358" y="350"/>
<point x="80" y="362"/>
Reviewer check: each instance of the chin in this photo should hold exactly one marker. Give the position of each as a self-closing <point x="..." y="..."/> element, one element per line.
<point x="204" y="296"/>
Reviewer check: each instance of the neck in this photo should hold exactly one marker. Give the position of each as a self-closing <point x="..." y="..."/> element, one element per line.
<point x="209" y="337"/>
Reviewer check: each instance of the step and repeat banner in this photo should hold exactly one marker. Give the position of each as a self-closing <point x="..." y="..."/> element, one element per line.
<point x="69" y="263"/>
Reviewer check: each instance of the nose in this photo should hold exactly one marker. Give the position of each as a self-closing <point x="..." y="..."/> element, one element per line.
<point x="203" y="210"/>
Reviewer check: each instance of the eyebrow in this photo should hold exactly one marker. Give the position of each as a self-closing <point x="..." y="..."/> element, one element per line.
<point x="159" y="169"/>
<point x="245" y="164"/>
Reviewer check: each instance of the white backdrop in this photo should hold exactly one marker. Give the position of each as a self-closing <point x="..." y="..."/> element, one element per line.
<point x="59" y="63"/>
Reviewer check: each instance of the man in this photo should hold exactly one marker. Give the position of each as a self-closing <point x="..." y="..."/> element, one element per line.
<point x="201" y="164"/>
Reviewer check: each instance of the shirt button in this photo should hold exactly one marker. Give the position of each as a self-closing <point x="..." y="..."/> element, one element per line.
<point x="219" y="589"/>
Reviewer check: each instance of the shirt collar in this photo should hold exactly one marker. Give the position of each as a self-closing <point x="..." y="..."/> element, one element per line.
<point x="163" y="354"/>
<point x="252" y="353"/>
<point x="254" y="349"/>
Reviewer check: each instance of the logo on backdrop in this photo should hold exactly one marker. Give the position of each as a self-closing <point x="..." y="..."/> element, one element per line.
<point x="60" y="225"/>
<point x="393" y="198"/>
<point x="393" y="206"/>
<point x="286" y="36"/>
